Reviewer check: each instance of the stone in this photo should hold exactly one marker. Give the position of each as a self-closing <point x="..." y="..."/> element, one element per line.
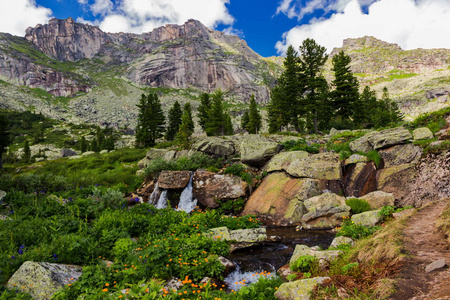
<point x="228" y="264"/>
<point x="436" y="265"/>
<point x="403" y="213"/>
<point x="342" y="240"/>
<point x="325" y="211"/>
<point x="209" y="188"/>
<point x="41" y="279"/>
<point x="87" y="153"/>
<point x="215" y="146"/>
<point x="4" y="218"/>
<point x="389" y="137"/>
<point x="67" y="152"/>
<point x="378" y="199"/>
<point x="2" y="196"/>
<point x="387" y="175"/>
<point x="360" y="179"/>
<point x="240" y="238"/>
<point x="324" y="257"/>
<point x="172" y="180"/>
<point x="400" y="155"/>
<point x="219" y="233"/>
<point x="284" y="272"/>
<point x="356" y="158"/>
<point x="75" y="157"/>
<point x="300" y="164"/>
<point x="279" y="198"/>
<point x="368" y="218"/>
<point x="173" y="284"/>
<point x="362" y="144"/>
<point x="150" y="155"/>
<point x="300" y="289"/>
<point x="256" y="150"/>
<point x="422" y="133"/>
<point x="104" y="151"/>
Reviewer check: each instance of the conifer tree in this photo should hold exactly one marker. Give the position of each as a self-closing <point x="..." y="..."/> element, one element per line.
<point x="275" y="110"/>
<point x="187" y="109"/>
<point x="215" y="124"/>
<point x="311" y="61"/>
<point x="387" y="111"/>
<point x="254" y="118"/>
<point x="151" y="121"/>
<point x="26" y="152"/>
<point x="228" y="125"/>
<point x="203" y="110"/>
<point x="84" y="145"/>
<point x="4" y="137"/>
<point x="174" y="121"/>
<point x="186" y="128"/>
<point x="345" y="94"/>
<point x="244" y="120"/>
<point x="94" y="145"/>
<point x="366" y="108"/>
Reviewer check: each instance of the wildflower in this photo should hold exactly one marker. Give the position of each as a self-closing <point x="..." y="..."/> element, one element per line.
<point x="105" y="290"/>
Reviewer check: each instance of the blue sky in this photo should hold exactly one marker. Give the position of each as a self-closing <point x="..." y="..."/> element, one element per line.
<point x="267" y="26"/>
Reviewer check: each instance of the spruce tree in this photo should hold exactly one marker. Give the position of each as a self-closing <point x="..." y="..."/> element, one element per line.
<point x="387" y="111"/>
<point x="346" y="87"/>
<point x="311" y="61"/>
<point x="366" y="108"/>
<point x="228" y="125"/>
<point x="187" y="109"/>
<point x="84" y="145"/>
<point x="275" y="110"/>
<point x="289" y="83"/>
<point x="26" y="152"/>
<point x="203" y="110"/>
<point x="254" y="118"/>
<point x="94" y="145"/>
<point x="4" y="137"/>
<point x="244" y="120"/>
<point x="174" y="121"/>
<point x="215" y="124"/>
<point x="151" y="121"/>
<point x="186" y="128"/>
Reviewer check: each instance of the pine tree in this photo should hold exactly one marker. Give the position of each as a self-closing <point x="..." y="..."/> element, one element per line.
<point x="203" y="110"/>
<point x="4" y="137"/>
<point x="187" y="108"/>
<point x="84" y="145"/>
<point x="215" y="124"/>
<point x="346" y="87"/>
<point x="26" y="152"/>
<point x="174" y="121"/>
<point x="387" y="111"/>
<point x="254" y="118"/>
<point x="244" y="120"/>
<point x="366" y="108"/>
<point x="151" y="121"/>
<point x="228" y="125"/>
<point x="94" y="145"/>
<point x="186" y="128"/>
<point x="312" y="59"/>
<point x="275" y="111"/>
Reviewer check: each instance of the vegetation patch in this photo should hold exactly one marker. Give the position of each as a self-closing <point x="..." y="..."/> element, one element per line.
<point x="358" y="205"/>
<point x="443" y="222"/>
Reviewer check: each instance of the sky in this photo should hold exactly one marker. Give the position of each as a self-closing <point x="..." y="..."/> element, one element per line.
<point x="268" y="26"/>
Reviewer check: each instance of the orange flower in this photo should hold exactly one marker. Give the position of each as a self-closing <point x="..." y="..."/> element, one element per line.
<point x="105" y="290"/>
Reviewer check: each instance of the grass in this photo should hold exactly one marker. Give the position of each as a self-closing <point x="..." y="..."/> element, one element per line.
<point x="443" y="222"/>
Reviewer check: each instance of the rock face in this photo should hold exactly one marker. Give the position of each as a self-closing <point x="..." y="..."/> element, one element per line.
<point x="360" y="179"/>
<point x="299" y="164"/>
<point x="215" y="146"/>
<point x="256" y="150"/>
<point x="279" y="199"/>
<point x="208" y="187"/>
<point x="368" y="218"/>
<point x="325" y="211"/>
<point x="41" y="280"/>
<point x="400" y="154"/>
<point x="300" y="289"/>
<point x="173" y="180"/>
<point x="389" y="137"/>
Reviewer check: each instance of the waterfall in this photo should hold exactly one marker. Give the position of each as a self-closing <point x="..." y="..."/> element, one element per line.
<point x="153" y="199"/>
<point x="162" y="201"/>
<point x="187" y="203"/>
<point x="238" y="278"/>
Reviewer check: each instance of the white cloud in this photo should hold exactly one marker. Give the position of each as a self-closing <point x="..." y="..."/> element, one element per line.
<point x="83" y="2"/>
<point x="409" y="23"/>
<point x="18" y="15"/>
<point x="230" y="30"/>
<point x="145" y="15"/>
<point x="102" y="7"/>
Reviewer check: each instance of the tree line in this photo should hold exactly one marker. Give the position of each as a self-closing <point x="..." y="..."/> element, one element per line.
<point x="304" y="100"/>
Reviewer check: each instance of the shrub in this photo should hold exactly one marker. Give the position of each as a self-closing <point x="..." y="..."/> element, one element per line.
<point x="387" y="211"/>
<point x="301" y="145"/>
<point x="235" y="169"/>
<point x="122" y="248"/>
<point x="355" y="231"/>
<point x="305" y="263"/>
<point x="358" y="205"/>
<point x="374" y="156"/>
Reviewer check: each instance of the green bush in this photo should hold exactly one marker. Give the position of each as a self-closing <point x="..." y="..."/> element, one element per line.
<point x="235" y="169"/>
<point x="358" y="205"/>
<point x="355" y="231"/>
<point x="387" y="211"/>
<point x="301" y="145"/>
<point x="305" y="263"/>
<point x="122" y="248"/>
<point x="374" y="156"/>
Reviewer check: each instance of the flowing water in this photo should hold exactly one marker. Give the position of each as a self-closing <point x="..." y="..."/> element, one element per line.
<point x="162" y="201"/>
<point x="154" y="196"/>
<point x="187" y="201"/>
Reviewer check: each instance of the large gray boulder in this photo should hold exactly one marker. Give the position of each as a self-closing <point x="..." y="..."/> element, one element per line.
<point x="341" y="240"/>
<point x="150" y="155"/>
<point x="325" y="211"/>
<point x="256" y="150"/>
<point x="400" y="154"/>
<point x="300" y="289"/>
<point x="215" y="146"/>
<point x="389" y="137"/>
<point x="378" y="199"/>
<point x="324" y="257"/>
<point x="422" y="133"/>
<point x="172" y="180"/>
<point x="368" y="218"/>
<point x="240" y="238"/>
<point x="303" y="165"/>
<point x="41" y="279"/>
<point x="67" y="152"/>
<point x="362" y="144"/>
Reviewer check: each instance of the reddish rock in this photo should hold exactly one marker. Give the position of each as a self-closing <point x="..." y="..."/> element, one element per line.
<point x="146" y="190"/>
<point x="208" y="187"/>
<point x="360" y="179"/>
<point x="172" y="180"/>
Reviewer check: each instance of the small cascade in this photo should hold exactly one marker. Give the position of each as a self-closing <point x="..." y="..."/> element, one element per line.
<point x="154" y="196"/>
<point x="162" y="201"/>
<point x="187" y="201"/>
<point x="238" y="278"/>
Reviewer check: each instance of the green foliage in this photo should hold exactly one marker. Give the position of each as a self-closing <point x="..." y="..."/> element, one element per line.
<point x="203" y="110"/>
<point x="5" y="138"/>
<point x="305" y="263"/>
<point x="291" y="277"/>
<point x="387" y="211"/>
<point x="151" y="121"/>
<point x="218" y="120"/>
<point x="301" y="145"/>
<point x="122" y="248"/>
<point x="434" y="120"/>
<point x="26" y="152"/>
<point x="355" y="231"/>
<point x="254" y="118"/>
<point x="245" y="119"/>
<point x="358" y="205"/>
<point x="374" y="156"/>
<point x="239" y="170"/>
<point x="174" y="117"/>
<point x="234" y="206"/>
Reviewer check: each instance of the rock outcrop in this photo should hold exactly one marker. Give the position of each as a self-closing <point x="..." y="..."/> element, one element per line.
<point x="325" y="211"/>
<point x="300" y="289"/>
<point x="256" y="150"/>
<point x="324" y="257"/>
<point x="172" y="180"/>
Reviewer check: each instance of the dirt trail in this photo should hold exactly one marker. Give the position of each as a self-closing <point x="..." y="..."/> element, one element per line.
<point x="425" y="247"/>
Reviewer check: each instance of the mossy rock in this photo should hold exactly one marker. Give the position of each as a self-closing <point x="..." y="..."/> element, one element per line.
<point x="300" y="289"/>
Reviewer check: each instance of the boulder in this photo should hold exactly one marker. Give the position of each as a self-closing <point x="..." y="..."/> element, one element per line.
<point x="241" y="238"/>
<point x="172" y="180"/>
<point x="356" y="158"/>
<point x="104" y="151"/>
<point x="436" y="265"/>
<point x="342" y="240"/>
<point x="387" y="175"/>
<point x="325" y="211"/>
<point x="300" y="289"/>
<point x="324" y="257"/>
<point x="378" y="199"/>
<point x="422" y="133"/>
<point x="75" y="157"/>
<point x="2" y="195"/>
<point x="41" y="279"/>
<point x="219" y="233"/>
<point x="360" y="179"/>
<point x="87" y="153"/>
<point x="256" y="150"/>
<point x="279" y="198"/>
<point x="150" y="155"/>
<point x="208" y="187"/>
<point x="362" y="144"/>
<point x="368" y="218"/>
<point x="67" y="152"/>
<point x="228" y="264"/>
<point x="400" y="155"/>
<point x="215" y="146"/>
<point x="300" y="164"/>
<point x="389" y="137"/>
<point x="284" y="272"/>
